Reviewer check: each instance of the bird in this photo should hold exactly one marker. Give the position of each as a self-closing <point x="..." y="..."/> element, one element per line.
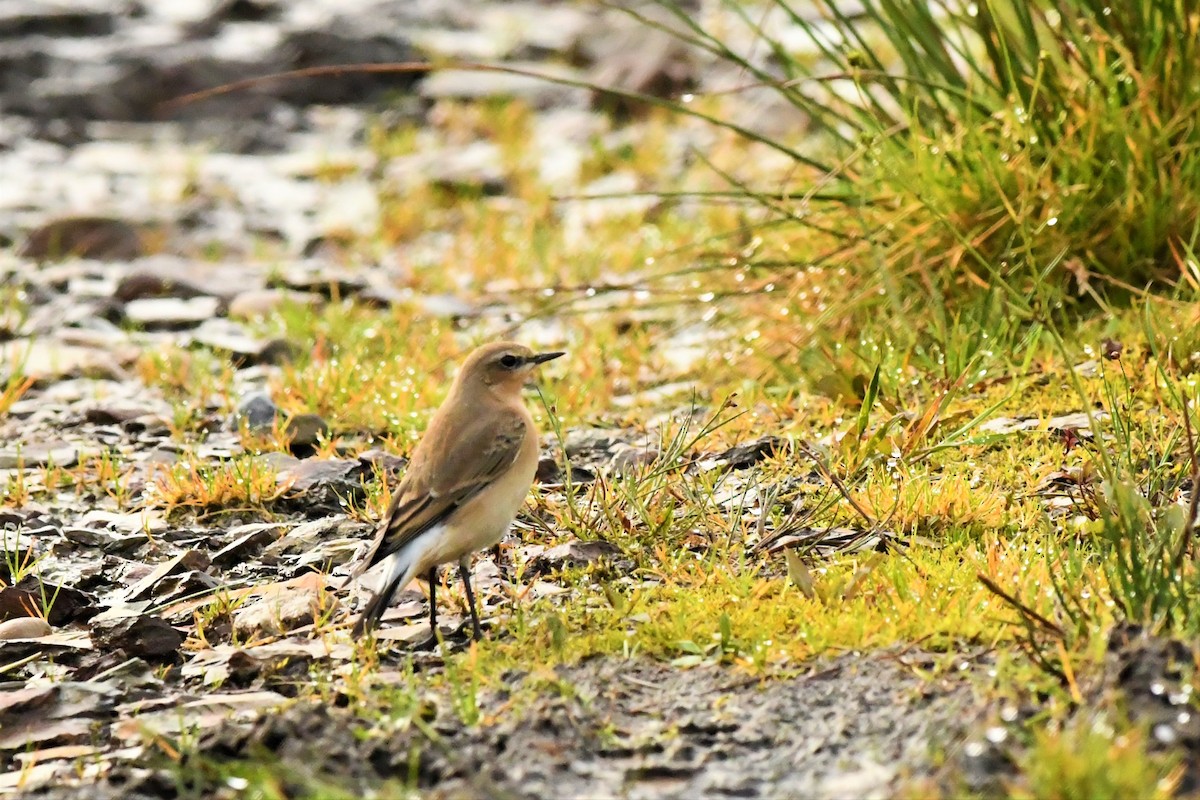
<point x="465" y="482"/>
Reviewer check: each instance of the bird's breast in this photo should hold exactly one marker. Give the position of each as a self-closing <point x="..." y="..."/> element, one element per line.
<point x="482" y="521"/>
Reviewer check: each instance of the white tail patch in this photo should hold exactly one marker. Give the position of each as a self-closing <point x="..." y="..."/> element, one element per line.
<point x="407" y="563"/>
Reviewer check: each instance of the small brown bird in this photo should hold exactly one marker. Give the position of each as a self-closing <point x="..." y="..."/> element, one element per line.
<point x="465" y="483"/>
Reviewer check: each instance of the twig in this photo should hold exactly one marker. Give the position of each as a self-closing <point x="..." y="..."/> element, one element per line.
<point x="1024" y="610"/>
<point x="841" y="487"/>
<point x="1189" y="525"/>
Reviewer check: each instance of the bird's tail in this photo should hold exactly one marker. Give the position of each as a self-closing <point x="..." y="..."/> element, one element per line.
<point x="397" y="577"/>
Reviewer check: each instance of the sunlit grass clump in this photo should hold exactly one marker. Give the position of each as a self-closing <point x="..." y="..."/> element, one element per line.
<point x="1048" y="149"/>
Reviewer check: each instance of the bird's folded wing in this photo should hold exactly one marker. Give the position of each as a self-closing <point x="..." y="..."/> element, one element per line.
<point x="447" y="474"/>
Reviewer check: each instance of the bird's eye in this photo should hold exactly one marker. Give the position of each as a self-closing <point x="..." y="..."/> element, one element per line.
<point x="510" y="361"/>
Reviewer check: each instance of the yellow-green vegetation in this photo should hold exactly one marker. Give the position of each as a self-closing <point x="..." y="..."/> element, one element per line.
<point x="230" y="485"/>
<point x="959" y="261"/>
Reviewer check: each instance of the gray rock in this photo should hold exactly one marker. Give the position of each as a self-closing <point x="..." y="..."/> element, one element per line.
<point x="25" y="18"/>
<point x="119" y="412"/>
<point x="151" y="584"/>
<point x="575" y="553"/>
<point x="144" y="283"/>
<point x="171" y="276"/>
<point x="41" y="454"/>
<point x="305" y="430"/>
<point x="350" y="39"/>
<point x="101" y="238"/>
<point x="626" y="458"/>
<point x="282" y="611"/>
<point x="248" y="541"/>
<point x="322" y="279"/>
<point x="338" y="475"/>
<point x="457" y="84"/>
<point x="589" y="441"/>
<point x="746" y="455"/>
<point x="143" y="636"/>
<point x="257" y="412"/>
<point x="477" y="166"/>
<point x="640" y="59"/>
<point x="171" y="313"/>
<point x="104" y="541"/>
<point x="384" y="460"/>
<point x="257" y="303"/>
<point x="242" y="348"/>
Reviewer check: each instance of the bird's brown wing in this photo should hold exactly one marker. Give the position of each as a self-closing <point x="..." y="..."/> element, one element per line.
<point x="445" y="473"/>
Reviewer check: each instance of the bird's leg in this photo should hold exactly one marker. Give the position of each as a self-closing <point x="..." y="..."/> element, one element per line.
<point x="432" y="578"/>
<point x="432" y="641"/>
<point x="464" y="572"/>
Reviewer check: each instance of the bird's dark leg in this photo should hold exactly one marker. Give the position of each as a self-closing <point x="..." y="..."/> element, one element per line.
<point x="432" y="578"/>
<point x="464" y="572"/>
<point x="432" y="641"/>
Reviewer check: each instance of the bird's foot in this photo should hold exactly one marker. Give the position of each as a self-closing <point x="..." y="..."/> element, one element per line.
<point x="470" y="631"/>
<point x="428" y="644"/>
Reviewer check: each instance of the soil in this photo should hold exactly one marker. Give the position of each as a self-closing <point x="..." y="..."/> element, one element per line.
<point x="853" y="726"/>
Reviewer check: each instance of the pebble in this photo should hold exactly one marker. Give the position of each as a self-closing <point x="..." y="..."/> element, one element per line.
<point x="576" y="553"/>
<point x="142" y="636"/>
<point x="83" y="237"/>
<point x="171" y="313"/>
<point x="243" y="349"/>
<point x="48" y="361"/>
<point x="24" y="628"/>
<point x="305" y="431"/>
<point x="42" y="454"/>
<point x="258" y="303"/>
<point x="457" y="84"/>
<point x="283" y="611"/>
<point x="257" y="412"/>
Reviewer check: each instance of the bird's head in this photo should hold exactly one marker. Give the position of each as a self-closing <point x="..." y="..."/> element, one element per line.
<point x="503" y="367"/>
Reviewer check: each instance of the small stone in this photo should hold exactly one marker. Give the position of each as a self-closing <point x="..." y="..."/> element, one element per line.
<point x="331" y="474"/>
<point x="148" y="586"/>
<point x="47" y="361"/>
<point x="183" y="585"/>
<point x="550" y="472"/>
<point x="322" y="280"/>
<point x="116" y="413"/>
<point x="100" y="238"/>
<point x="257" y="412"/>
<point x="69" y="603"/>
<point x="577" y="553"/>
<point x="25" y="628"/>
<point x="639" y="59"/>
<point x="282" y="611"/>
<point x="143" y="636"/>
<point x="456" y="84"/>
<point x="258" y="303"/>
<point x="172" y="276"/>
<point x="444" y="305"/>
<point x="388" y="462"/>
<point x="587" y="441"/>
<point x="41" y="454"/>
<point x="276" y="352"/>
<point x="744" y="456"/>
<point x="243" y="349"/>
<point x="56" y="20"/>
<point x="250" y="540"/>
<point x="305" y="430"/>
<point x="171" y="313"/>
<point x="628" y="459"/>
<point x="145" y="283"/>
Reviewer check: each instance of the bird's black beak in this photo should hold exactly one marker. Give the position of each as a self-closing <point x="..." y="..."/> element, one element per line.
<point x="542" y="358"/>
